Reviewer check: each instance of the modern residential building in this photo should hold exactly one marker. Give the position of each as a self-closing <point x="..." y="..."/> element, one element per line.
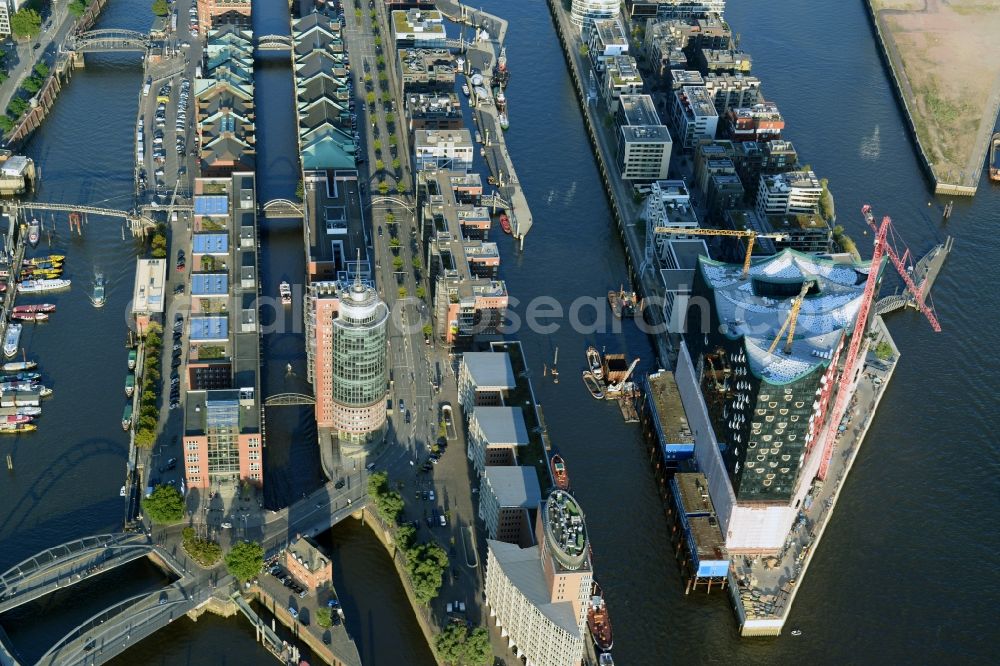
<point x="753" y="159"/>
<point x="674" y="9"/>
<point x="221" y="383"/>
<point x="668" y="204"/>
<point x="427" y="70"/>
<point x="679" y="260"/>
<point x="432" y="111"/>
<point x="755" y="412"/>
<point x="494" y="436"/>
<point x="308" y="565"/>
<point x="148" y="295"/>
<point x="644" y="142"/>
<point x="708" y="152"/>
<point x="621" y="77"/>
<point x="507" y="497"/>
<point x="485" y="379"/>
<point x="801" y="231"/>
<point x="792" y="192"/>
<point x="212" y="13"/>
<point x="760" y="122"/>
<point x="721" y="61"/>
<point x="539" y="595"/>
<point x="4" y="19"/>
<point x="450" y="150"/>
<point x="604" y="39"/>
<point x="725" y="192"/>
<point x="419" y="27"/>
<point x="732" y="91"/>
<point x="693" y="116"/>
<point x="583" y="13"/>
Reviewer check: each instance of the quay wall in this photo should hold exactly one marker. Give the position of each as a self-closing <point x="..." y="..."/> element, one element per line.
<point x="900" y="87"/>
<point x="384" y="535"/>
<point x="60" y="73"/>
<point x="633" y="248"/>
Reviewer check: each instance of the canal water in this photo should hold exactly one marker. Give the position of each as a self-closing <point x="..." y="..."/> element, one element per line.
<point x="913" y="530"/>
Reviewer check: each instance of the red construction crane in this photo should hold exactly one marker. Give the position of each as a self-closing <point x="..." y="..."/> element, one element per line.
<point x="829" y="433"/>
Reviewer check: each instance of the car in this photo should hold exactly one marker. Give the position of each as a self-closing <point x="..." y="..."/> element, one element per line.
<point x="179" y="289"/>
<point x="185" y="45"/>
<point x="431" y="495"/>
<point x="370" y="466"/>
<point x="294" y="613"/>
<point x="302" y="594"/>
<point x="380" y="230"/>
<point x="175" y="362"/>
<point x="175" y="404"/>
<point x="333" y="603"/>
<point x="288" y="582"/>
<point x="406" y="416"/>
<point x="37" y="46"/>
<point x="443" y="520"/>
<point x="340" y="484"/>
<point x="426" y="495"/>
<point x="180" y="264"/>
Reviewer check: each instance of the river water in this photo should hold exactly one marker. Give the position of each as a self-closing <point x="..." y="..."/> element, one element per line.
<point x="905" y="571"/>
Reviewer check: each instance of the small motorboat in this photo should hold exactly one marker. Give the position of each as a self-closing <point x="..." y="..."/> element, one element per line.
<point x="99" y="296"/>
<point x="18" y="366"/>
<point x="593" y="385"/>
<point x="505" y="223"/>
<point x="285" y="291"/>
<point x="796" y="632"/>
<point x="35" y="307"/>
<point x="121" y="493"/>
<point x="34" y="232"/>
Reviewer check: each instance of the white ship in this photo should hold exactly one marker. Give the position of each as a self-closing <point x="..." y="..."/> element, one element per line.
<point x="12" y="340"/>
<point x="36" y="286"/>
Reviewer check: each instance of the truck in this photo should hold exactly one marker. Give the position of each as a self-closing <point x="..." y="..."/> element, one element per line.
<point x="145" y="90"/>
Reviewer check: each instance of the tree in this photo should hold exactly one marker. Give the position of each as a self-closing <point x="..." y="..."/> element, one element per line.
<point x="78" y="7"/>
<point x="6" y="124"/>
<point x="382" y="76"/>
<point x="324" y="617"/>
<point x="160" y="7"/>
<point x="31" y="85"/>
<point x="455" y="645"/>
<point x="383" y="187"/>
<point x="426" y="564"/>
<point x="394" y="243"/>
<point x="421" y="292"/>
<point x="244" y="560"/>
<point x="16" y="107"/>
<point x="825" y="200"/>
<point x="403" y="292"/>
<point x="386" y="98"/>
<point x="390" y="218"/>
<point x="395" y="164"/>
<point x="357" y="13"/>
<point x="417" y="264"/>
<point x="164" y="505"/>
<point x="300" y="190"/>
<point x="390" y="118"/>
<point x="401" y="187"/>
<point x="393" y="140"/>
<point x="883" y="350"/>
<point x="41" y="69"/>
<point x="428" y="330"/>
<point x="380" y="62"/>
<point x="377" y="40"/>
<point x="388" y="503"/>
<point x="205" y="552"/>
<point x="397" y="263"/>
<point x="379" y="165"/>
<point x="26" y="23"/>
<point x="370" y="98"/>
<point x="377" y="146"/>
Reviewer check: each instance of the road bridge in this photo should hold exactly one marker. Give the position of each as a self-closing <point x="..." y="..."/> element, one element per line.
<point x="138" y="221"/>
<point x="107" y="40"/>
<point x="68" y="564"/>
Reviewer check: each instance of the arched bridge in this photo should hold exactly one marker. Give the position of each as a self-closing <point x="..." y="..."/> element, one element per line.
<point x="282" y="208"/>
<point x="389" y="201"/>
<point x="286" y="399"/>
<point x="108" y="39"/>
<point x="68" y="564"/>
<point x="274" y="43"/>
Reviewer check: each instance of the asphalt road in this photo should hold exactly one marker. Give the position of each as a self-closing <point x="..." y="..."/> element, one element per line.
<point x="24" y="56"/>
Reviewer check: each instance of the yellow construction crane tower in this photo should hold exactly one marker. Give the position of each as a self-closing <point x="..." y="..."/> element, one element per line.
<point x="749" y="235"/>
<point x="793" y="315"/>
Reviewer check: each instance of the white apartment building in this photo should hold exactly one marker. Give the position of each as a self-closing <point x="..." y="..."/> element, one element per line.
<point x="443" y="149"/>
<point x="606" y="38"/>
<point x="693" y="116"/>
<point x="667" y="205"/>
<point x="621" y="77"/>
<point x="495" y="434"/>
<point x="584" y="12"/>
<point x="794" y="192"/>
<point x="4" y="20"/>
<point x="732" y="91"/>
<point x="644" y="142"/>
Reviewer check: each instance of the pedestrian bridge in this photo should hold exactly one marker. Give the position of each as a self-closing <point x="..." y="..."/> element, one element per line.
<point x="68" y="564"/>
<point x="276" y="208"/>
<point x="138" y="221"/>
<point x="274" y="43"/>
<point x="286" y="399"/>
<point x="108" y="40"/>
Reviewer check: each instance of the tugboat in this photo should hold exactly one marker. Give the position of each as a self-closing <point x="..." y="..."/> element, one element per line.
<point x="465" y="89"/>
<point x="593" y="385"/>
<point x="559" y="472"/>
<point x="595" y="362"/>
<point x="285" y="291"/>
<point x="598" y="620"/>
<point x="34" y="232"/>
<point x="12" y="340"/>
<point x="99" y="291"/>
<point x="505" y="223"/>
<point x="501" y="75"/>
